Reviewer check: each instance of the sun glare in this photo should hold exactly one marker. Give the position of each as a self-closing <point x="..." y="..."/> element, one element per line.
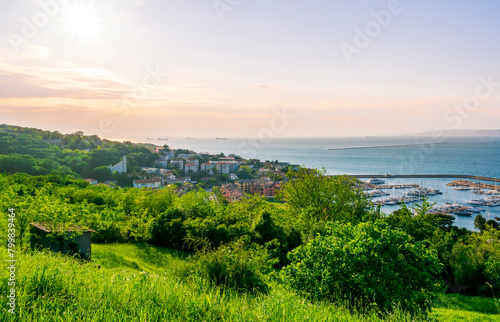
<point x="82" y="21"/>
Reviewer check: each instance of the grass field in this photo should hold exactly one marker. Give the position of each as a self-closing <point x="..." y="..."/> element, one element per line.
<point x="129" y="282"/>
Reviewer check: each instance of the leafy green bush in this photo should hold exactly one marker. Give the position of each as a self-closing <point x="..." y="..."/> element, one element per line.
<point x="466" y="265"/>
<point x="168" y="229"/>
<point x="364" y="264"/>
<point x="236" y="265"/>
<point x="492" y="272"/>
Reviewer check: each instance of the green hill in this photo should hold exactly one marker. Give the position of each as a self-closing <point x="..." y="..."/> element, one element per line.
<point x="128" y="282"/>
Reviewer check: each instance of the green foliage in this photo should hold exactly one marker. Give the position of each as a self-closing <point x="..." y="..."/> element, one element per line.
<point x="466" y="267"/>
<point x="24" y="150"/>
<point x="423" y="209"/>
<point x="456" y="307"/>
<point x="421" y="226"/>
<point x="101" y="174"/>
<point x="168" y="229"/>
<point x="277" y="238"/>
<point x="236" y="266"/>
<point x="473" y="264"/>
<point x="113" y="288"/>
<point x="364" y="264"/>
<point x="480" y="223"/>
<point x="19" y="163"/>
<point x="326" y="197"/>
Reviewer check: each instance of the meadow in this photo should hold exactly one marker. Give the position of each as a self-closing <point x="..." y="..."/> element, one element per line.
<point x="138" y="282"/>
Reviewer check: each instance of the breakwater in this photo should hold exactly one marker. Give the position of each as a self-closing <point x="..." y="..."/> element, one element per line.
<point x="385" y="146"/>
<point x="459" y="176"/>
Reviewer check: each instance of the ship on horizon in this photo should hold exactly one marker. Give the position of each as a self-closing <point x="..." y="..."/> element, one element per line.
<point x="221" y="138"/>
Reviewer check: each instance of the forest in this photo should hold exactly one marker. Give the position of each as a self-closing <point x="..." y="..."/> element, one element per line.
<point x="320" y="240"/>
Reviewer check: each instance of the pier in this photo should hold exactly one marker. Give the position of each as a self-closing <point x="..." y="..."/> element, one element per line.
<point x="459" y="176"/>
<point x="390" y="186"/>
<point x="474" y="185"/>
<point x="385" y="146"/>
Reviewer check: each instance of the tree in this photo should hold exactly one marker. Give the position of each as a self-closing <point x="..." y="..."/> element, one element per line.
<point x="326" y="197"/>
<point x="421" y="226"/>
<point x="17" y="163"/>
<point x="491" y="224"/>
<point x="124" y="180"/>
<point x="24" y="206"/>
<point x="168" y="229"/>
<point x="101" y="174"/>
<point x="363" y="264"/>
<point x="423" y="209"/>
<point x="480" y="223"/>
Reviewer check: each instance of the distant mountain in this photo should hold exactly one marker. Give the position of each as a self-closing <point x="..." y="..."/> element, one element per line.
<point x="465" y="132"/>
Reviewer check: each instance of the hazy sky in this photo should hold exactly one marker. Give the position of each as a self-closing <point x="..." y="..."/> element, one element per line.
<point x="239" y="68"/>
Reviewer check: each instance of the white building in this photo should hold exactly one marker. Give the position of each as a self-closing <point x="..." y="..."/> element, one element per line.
<point x="168" y="179"/>
<point x="151" y="170"/>
<point x="225" y="166"/>
<point x="169" y="154"/>
<point x="149" y="183"/>
<point x="193" y="160"/>
<point x="91" y="181"/>
<point x="120" y="167"/>
<point x="179" y="163"/>
<point x="207" y="167"/>
<point x="162" y="162"/>
<point x="191" y="166"/>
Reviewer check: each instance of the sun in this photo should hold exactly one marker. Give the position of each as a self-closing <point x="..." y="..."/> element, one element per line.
<point x="82" y="21"/>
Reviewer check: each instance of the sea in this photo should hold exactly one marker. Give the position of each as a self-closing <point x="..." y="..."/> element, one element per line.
<point x="377" y="156"/>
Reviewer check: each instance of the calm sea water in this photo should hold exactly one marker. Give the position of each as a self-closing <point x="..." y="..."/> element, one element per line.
<point x="479" y="156"/>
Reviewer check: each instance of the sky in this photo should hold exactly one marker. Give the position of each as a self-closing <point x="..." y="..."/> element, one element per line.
<point x="241" y="68"/>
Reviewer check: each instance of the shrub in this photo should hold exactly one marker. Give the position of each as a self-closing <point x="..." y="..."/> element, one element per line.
<point x="492" y="272"/>
<point x="364" y="264"/>
<point x="168" y="229"/>
<point x="466" y="265"/>
<point x="236" y="265"/>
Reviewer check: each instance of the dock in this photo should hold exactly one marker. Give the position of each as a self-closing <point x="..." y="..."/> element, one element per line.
<point x="474" y="185"/>
<point x="455" y="176"/>
<point x="390" y="186"/>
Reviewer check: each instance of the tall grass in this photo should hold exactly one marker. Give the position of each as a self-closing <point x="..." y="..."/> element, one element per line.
<point x="52" y="287"/>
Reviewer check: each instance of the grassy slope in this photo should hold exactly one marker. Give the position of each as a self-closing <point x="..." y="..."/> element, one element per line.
<point x="153" y="260"/>
<point x="55" y="288"/>
<point x="454" y="307"/>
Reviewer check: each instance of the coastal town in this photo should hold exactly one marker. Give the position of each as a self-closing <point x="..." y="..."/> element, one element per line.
<point x="235" y="178"/>
<point x="188" y="170"/>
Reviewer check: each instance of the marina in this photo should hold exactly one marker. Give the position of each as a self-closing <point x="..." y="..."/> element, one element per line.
<point x="465" y="203"/>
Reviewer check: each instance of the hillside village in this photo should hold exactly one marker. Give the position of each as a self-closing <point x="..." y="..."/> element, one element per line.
<point x="187" y="169"/>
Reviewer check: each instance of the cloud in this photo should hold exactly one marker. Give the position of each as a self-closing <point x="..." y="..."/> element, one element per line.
<point x="264" y="86"/>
